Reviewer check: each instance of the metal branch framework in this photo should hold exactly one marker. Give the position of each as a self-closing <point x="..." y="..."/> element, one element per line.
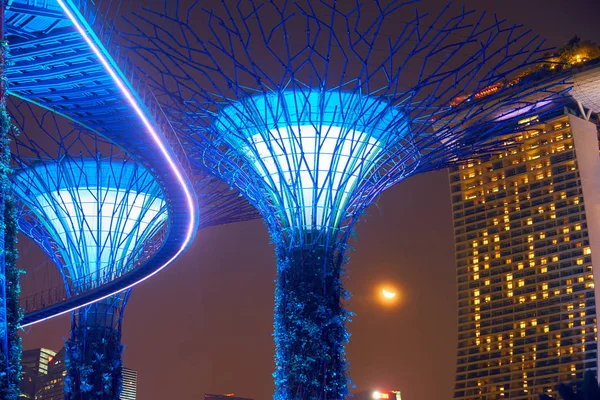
<point x="56" y="153"/>
<point x="102" y="214"/>
<point x="99" y="216"/>
<point x="66" y="58"/>
<point x="312" y="109"/>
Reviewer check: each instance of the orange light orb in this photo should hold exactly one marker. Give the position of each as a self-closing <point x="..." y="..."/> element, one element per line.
<point x="387" y="295"/>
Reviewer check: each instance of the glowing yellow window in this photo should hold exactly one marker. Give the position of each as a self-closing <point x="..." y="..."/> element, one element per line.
<point x="554" y="258"/>
<point x="509" y="277"/>
<point x="544" y="286"/>
<point x="476" y="292"/>
<point x="521" y="283"/>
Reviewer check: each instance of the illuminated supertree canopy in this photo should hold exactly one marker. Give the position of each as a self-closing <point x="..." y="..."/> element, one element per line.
<point x="97" y="212"/>
<point x="311" y="109"/>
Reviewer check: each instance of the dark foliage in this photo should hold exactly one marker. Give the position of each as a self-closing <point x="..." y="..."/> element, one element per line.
<point x="10" y="367"/>
<point x="589" y="390"/>
<point x="310" y="324"/>
<point x="93" y="361"/>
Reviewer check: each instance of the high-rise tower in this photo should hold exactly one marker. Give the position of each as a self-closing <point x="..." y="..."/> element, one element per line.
<point x="129" y="384"/>
<point x="35" y="365"/>
<point x="525" y="226"/>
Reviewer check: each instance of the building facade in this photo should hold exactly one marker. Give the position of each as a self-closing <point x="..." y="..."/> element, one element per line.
<point x="129" y="384"/>
<point x="50" y="386"/>
<point x="34" y="365"/>
<point x="524" y="245"/>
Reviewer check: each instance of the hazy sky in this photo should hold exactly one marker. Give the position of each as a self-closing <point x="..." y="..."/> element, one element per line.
<point x="205" y="323"/>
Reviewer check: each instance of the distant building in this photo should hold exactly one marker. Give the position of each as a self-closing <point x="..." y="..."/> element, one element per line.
<point x="228" y="396"/>
<point x="129" y="384"/>
<point x="378" y="395"/>
<point x="51" y="386"/>
<point x="35" y="366"/>
<point x="44" y="375"/>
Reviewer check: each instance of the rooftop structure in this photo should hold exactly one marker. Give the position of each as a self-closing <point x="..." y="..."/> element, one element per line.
<point x="311" y="110"/>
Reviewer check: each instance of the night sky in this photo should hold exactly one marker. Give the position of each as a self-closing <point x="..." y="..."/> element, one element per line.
<point x="204" y="324"/>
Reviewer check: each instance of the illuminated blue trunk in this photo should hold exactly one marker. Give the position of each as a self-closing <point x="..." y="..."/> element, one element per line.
<point x="94" y="351"/>
<point x="310" y="323"/>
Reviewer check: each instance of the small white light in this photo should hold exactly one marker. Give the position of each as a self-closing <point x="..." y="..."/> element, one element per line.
<point x="376" y="395"/>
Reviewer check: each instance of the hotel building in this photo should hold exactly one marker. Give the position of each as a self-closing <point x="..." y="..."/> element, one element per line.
<point x="526" y="226"/>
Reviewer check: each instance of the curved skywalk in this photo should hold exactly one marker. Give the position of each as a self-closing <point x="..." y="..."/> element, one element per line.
<point x="58" y="62"/>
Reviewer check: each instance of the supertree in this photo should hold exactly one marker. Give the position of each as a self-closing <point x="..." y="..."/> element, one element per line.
<point x="99" y="215"/>
<point x="102" y="212"/>
<point x="311" y="109"/>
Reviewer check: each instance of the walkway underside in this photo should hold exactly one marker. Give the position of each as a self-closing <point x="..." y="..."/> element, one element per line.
<point x="54" y="67"/>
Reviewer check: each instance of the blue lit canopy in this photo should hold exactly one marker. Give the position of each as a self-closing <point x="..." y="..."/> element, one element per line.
<point x="98" y="213"/>
<point x="311" y="109"/>
<point x="313" y="147"/>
